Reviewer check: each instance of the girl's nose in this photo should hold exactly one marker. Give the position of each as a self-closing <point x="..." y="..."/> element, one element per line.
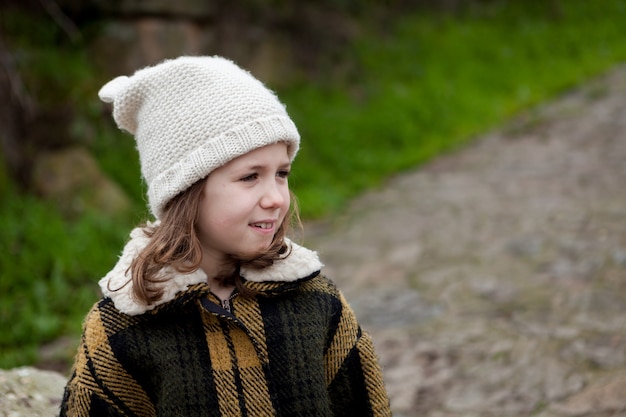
<point x="273" y="196"/>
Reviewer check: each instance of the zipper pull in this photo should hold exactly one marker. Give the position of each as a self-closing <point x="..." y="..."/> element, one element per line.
<point x="226" y="305"/>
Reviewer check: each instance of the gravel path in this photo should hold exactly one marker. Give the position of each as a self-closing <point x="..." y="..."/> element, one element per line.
<point x="493" y="279"/>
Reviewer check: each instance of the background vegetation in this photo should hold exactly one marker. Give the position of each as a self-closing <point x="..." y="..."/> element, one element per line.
<point x="407" y="90"/>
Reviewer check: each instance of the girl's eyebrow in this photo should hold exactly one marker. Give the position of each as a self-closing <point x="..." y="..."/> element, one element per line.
<point x="261" y="166"/>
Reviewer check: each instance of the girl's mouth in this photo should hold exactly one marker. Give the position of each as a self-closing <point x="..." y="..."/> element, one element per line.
<point x="263" y="225"/>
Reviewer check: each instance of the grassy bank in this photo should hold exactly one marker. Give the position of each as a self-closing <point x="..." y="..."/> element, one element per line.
<point x="425" y="85"/>
<point x="433" y="82"/>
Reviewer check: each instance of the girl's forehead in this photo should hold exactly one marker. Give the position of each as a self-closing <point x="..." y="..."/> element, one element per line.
<point x="274" y="153"/>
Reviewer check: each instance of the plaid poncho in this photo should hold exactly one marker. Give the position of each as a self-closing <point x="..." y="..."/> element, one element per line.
<point x="294" y="349"/>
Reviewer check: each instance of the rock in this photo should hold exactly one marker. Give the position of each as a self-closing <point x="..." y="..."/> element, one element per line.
<point x="73" y="180"/>
<point x="193" y="9"/>
<point x="30" y="392"/>
<point x="123" y="46"/>
<point x="608" y="394"/>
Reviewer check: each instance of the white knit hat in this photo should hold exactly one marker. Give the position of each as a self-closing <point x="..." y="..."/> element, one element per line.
<point x="191" y="115"/>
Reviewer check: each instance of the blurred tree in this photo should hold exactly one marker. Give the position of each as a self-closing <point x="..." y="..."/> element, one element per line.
<point x="17" y="111"/>
<point x="276" y="39"/>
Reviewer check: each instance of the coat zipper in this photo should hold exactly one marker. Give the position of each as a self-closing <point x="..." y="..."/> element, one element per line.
<point x="226" y="304"/>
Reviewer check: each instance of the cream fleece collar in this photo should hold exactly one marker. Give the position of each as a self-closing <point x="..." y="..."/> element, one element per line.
<point x="117" y="284"/>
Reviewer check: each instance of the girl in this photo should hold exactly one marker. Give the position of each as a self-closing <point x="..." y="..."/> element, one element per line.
<point x="211" y="310"/>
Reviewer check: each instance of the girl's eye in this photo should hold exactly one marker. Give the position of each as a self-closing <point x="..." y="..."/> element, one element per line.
<point x="250" y="177"/>
<point x="283" y="173"/>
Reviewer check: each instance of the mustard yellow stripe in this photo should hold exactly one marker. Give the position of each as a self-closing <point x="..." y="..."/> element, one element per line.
<point x="221" y="362"/>
<point x="84" y="403"/>
<point x="251" y="357"/>
<point x="343" y="341"/>
<point x="255" y="389"/>
<point x="79" y="401"/>
<point x="317" y="284"/>
<point x="107" y="368"/>
<point x="249" y="313"/>
<point x="218" y="345"/>
<point x="244" y="350"/>
<point x="256" y="394"/>
<point x="227" y="393"/>
<point x="379" y="401"/>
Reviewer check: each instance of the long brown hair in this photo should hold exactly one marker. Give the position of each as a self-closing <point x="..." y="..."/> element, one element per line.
<point x="174" y="243"/>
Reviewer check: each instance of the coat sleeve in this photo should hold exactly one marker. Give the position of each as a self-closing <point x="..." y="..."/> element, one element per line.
<point x="353" y="374"/>
<point x="99" y="384"/>
<point x="82" y="397"/>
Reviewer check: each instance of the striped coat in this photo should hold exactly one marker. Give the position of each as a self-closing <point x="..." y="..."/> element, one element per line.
<point x="294" y="349"/>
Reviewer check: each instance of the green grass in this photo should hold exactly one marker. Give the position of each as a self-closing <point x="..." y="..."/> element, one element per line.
<point x="434" y="82"/>
<point x="425" y="85"/>
<point x="49" y="271"/>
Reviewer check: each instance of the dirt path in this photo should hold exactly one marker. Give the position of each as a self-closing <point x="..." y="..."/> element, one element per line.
<point x="493" y="280"/>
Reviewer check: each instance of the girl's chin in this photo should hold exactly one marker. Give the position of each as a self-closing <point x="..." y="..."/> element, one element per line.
<point x="253" y="253"/>
<point x="253" y="248"/>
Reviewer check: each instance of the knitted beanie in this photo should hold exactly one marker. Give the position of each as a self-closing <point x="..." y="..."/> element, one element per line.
<point x="191" y="115"/>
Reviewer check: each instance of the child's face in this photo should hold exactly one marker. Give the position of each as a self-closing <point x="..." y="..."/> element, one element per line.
<point x="244" y="203"/>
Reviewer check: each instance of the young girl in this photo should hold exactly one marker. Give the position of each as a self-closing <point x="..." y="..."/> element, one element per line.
<point x="211" y="310"/>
